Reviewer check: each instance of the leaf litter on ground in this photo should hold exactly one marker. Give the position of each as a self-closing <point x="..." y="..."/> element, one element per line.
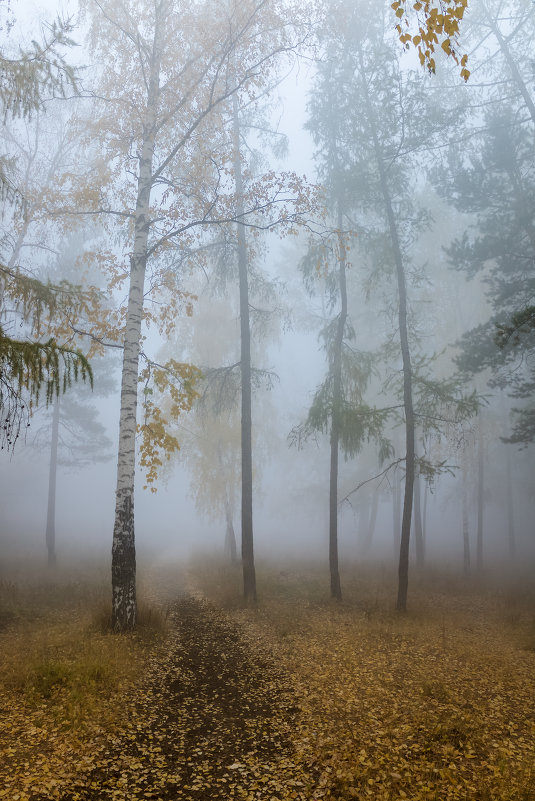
<point x="299" y="698"/>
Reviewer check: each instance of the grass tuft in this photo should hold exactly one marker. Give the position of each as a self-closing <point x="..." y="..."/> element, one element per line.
<point x="151" y="619"/>
<point x="48" y="676"/>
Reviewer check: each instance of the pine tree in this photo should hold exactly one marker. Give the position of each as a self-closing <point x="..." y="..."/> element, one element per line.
<point x="38" y="364"/>
<point x="379" y="115"/>
<point x="495" y="182"/>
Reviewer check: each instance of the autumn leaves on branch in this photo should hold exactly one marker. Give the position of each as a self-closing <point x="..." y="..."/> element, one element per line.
<point x="435" y="25"/>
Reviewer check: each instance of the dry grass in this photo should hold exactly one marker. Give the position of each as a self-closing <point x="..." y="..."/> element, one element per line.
<point x="63" y="676"/>
<point x="436" y="704"/>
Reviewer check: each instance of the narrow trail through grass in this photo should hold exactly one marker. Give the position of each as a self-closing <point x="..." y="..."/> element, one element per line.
<point x="211" y="721"/>
<point x="295" y="699"/>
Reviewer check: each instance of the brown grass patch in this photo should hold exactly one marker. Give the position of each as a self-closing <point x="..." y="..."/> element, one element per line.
<point x="437" y="704"/>
<point x="63" y="679"/>
<point x="360" y="702"/>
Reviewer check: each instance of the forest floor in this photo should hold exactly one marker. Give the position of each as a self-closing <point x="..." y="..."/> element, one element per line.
<point x="297" y="698"/>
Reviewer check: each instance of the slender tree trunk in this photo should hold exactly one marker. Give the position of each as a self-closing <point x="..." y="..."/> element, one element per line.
<point x="403" y="572"/>
<point x="247" y="542"/>
<point x="52" y="472"/>
<point x="396" y="511"/>
<point x="424" y="516"/>
<point x="230" y="537"/>
<point x="466" y="536"/>
<point x="480" y="492"/>
<point x="123" y="551"/>
<point x="511" y="537"/>
<point x="336" y="589"/>
<point x="418" y="527"/>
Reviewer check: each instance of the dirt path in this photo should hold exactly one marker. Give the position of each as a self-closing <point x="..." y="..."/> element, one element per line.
<point x="211" y="720"/>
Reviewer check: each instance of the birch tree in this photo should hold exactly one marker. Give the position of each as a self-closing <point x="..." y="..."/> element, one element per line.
<point x="168" y="68"/>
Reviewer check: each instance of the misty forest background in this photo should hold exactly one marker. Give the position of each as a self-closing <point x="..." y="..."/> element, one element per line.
<point x="346" y="162"/>
<point x="266" y="340"/>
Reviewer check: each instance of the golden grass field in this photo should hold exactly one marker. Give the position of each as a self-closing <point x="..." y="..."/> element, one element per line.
<point x="298" y="698"/>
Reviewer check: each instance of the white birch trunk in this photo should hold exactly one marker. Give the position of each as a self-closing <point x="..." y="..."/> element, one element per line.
<point x="123" y="550"/>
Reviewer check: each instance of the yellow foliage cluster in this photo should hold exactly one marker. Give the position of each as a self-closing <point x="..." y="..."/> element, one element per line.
<point x="436" y="25"/>
<point x="168" y="302"/>
<point x="176" y="381"/>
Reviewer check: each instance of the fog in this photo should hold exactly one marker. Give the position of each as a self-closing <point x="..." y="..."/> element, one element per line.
<point x="470" y="478"/>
